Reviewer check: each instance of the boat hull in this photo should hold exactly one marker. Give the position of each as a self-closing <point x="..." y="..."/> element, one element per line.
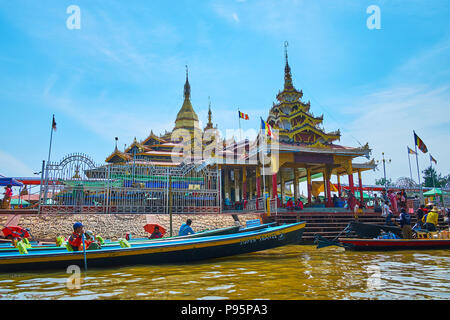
<point x="394" y="244"/>
<point x="169" y="252"/>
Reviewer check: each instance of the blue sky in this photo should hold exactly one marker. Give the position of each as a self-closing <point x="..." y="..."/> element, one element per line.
<point x="122" y="73"/>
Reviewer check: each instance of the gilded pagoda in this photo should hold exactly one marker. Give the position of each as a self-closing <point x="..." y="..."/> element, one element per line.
<point x="305" y="150"/>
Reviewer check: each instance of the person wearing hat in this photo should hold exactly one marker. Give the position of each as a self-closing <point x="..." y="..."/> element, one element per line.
<point x="76" y="239"/>
<point x="432" y="220"/>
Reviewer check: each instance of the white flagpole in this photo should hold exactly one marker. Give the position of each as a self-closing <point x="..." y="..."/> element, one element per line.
<point x="409" y="160"/>
<point x="48" y="160"/>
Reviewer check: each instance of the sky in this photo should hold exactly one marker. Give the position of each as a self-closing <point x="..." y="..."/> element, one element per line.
<point x="121" y="74"/>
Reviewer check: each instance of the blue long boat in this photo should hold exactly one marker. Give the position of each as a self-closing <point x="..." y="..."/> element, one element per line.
<point x="161" y="252"/>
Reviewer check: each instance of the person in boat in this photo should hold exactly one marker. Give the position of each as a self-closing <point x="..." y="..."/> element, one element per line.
<point x="156" y="234"/>
<point x="186" y="229"/>
<point x="405" y="224"/>
<point x="431" y="220"/>
<point x="419" y="215"/>
<point x="76" y="239"/>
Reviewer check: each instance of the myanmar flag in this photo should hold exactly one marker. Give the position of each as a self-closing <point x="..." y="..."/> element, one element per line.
<point x="243" y="116"/>
<point x="420" y="144"/>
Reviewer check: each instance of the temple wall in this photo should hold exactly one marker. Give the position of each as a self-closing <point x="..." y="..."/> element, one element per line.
<point x="114" y="226"/>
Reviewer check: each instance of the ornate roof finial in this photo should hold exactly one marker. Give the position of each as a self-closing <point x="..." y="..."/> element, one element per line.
<point x="209" y="125"/>
<point x="187" y="86"/>
<point x="116" y="143"/>
<point x="287" y="69"/>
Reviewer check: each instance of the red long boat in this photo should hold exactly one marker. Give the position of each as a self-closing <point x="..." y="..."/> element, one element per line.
<point x="394" y="244"/>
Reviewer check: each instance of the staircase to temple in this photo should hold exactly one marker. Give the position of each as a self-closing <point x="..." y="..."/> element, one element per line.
<point x="330" y="224"/>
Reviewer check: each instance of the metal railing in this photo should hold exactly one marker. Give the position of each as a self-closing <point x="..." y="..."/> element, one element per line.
<point x="76" y="185"/>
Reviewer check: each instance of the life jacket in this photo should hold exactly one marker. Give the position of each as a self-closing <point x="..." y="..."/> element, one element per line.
<point x="22" y="247"/>
<point x="124" y="243"/>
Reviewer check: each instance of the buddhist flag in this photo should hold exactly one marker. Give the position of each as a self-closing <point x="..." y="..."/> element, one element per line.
<point x="267" y="129"/>
<point x="410" y="151"/>
<point x="420" y="144"/>
<point x="433" y="159"/>
<point x="243" y="116"/>
<point x="54" y="123"/>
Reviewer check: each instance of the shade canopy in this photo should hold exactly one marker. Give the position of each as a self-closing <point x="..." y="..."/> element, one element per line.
<point x="10" y="181"/>
<point x="435" y="191"/>
<point x="16" y="202"/>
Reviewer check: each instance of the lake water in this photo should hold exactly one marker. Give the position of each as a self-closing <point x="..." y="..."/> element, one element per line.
<point x="287" y="273"/>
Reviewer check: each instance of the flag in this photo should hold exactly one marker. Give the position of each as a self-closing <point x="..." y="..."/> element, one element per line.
<point x="433" y="159"/>
<point x="267" y="129"/>
<point x="54" y="123"/>
<point x="243" y="116"/>
<point x="410" y="151"/>
<point x="420" y="144"/>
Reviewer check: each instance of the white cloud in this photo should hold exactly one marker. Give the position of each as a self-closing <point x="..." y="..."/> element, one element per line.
<point x="386" y="119"/>
<point x="13" y="167"/>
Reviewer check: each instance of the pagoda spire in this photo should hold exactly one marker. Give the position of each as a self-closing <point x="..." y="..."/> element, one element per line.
<point x="209" y="125"/>
<point x="187" y="86"/>
<point x="287" y="69"/>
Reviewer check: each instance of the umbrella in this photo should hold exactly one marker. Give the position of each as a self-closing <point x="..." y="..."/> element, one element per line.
<point x="150" y="227"/>
<point x="15" y="231"/>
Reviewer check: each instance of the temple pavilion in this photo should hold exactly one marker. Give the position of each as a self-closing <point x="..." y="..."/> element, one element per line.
<point x="305" y="151"/>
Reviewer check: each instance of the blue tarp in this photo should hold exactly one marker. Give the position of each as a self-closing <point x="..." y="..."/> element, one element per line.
<point x="10" y="181"/>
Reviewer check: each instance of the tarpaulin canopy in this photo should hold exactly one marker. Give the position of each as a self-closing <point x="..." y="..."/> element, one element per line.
<point x="365" y="196"/>
<point x="16" y="202"/>
<point x="435" y="191"/>
<point x="10" y="181"/>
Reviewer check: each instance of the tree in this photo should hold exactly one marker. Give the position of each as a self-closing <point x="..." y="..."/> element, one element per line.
<point x="382" y="182"/>
<point x="432" y="179"/>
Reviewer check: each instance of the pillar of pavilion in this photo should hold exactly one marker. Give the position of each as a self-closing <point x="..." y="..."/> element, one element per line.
<point x="244" y="183"/>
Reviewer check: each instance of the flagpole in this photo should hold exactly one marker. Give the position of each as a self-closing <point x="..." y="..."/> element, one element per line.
<point x="51" y="139"/>
<point x="418" y="171"/>
<point x="431" y="172"/>
<point x="409" y="160"/>
<point x="240" y="131"/>
<point x="48" y="160"/>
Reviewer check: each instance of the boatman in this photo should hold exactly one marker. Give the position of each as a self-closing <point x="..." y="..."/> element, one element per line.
<point x="75" y="239"/>
<point x="432" y="220"/>
<point x="405" y="224"/>
<point x="186" y="229"/>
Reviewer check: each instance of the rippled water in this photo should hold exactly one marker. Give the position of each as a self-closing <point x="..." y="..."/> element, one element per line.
<point x="292" y="272"/>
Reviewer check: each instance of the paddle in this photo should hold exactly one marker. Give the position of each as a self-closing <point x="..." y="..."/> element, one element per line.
<point x="83" y="237"/>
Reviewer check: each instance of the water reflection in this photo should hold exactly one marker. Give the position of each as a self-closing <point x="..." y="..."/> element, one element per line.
<point x="293" y="272"/>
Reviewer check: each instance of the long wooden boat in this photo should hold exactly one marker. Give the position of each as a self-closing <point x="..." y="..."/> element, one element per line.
<point x="394" y="244"/>
<point x="367" y="230"/>
<point x="113" y="244"/>
<point x="161" y="252"/>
